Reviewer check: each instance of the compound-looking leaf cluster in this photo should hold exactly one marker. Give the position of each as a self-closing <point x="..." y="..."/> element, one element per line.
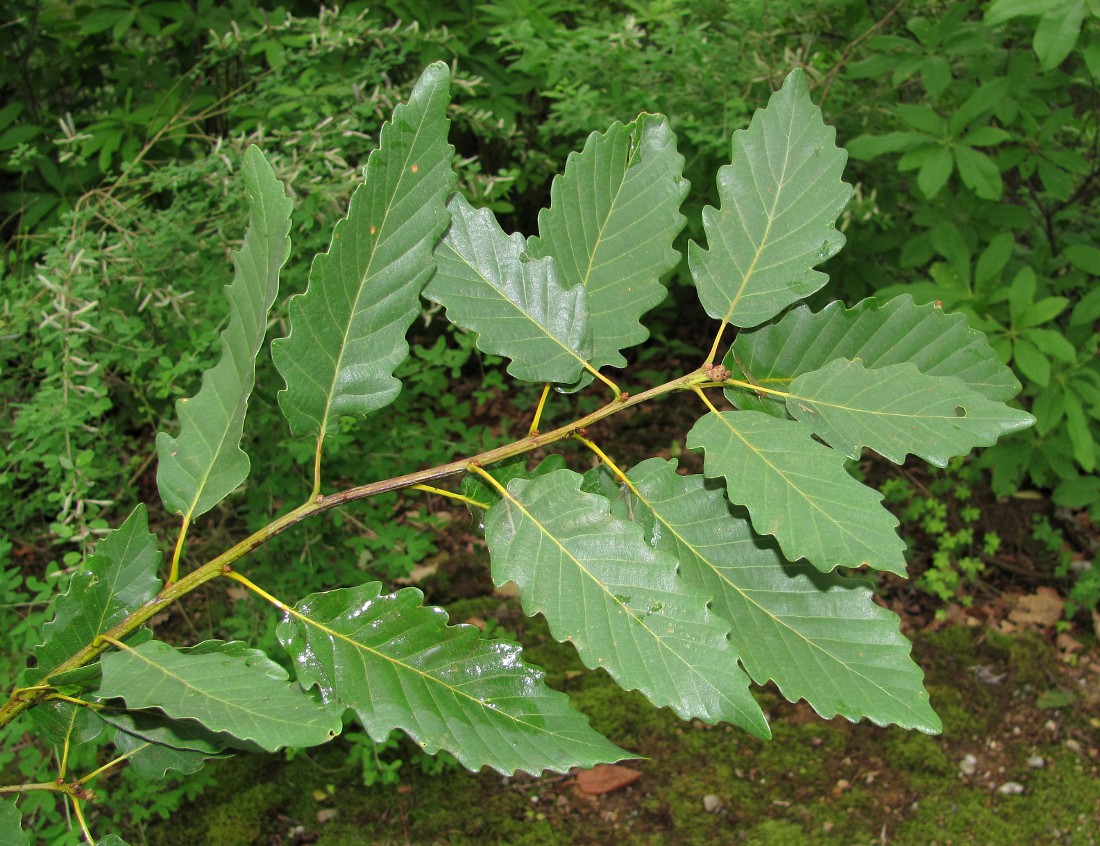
<point x="687" y="588"/>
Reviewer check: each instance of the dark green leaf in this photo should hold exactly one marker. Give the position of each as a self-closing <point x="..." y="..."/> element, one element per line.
<point x="398" y="665"/>
<point x="348" y="329"/>
<point x="979" y="173"/>
<point x="120" y="577"/>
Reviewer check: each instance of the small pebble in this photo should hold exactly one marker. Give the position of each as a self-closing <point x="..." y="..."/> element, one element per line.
<point x="1011" y="788"/>
<point x="968" y="765"/>
<point x="1073" y="746"/>
<point x="327" y="815"/>
<point x="711" y="803"/>
<point x="1036" y="762"/>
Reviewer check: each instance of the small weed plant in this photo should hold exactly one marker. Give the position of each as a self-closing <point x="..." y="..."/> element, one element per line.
<point x="687" y="588"/>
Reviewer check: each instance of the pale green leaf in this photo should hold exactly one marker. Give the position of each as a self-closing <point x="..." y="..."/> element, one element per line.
<point x="797" y="490"/>
<point x="205" y="462"/>
<point x="11" y="828"/>
<point x="242" y="693"/>
<point x="1057" y="33"/>
<point x="517" y="304"/>
<point x="780" y="200"/>
<point x="612" y="219"/>
<point x="896" y="410"/>
<point x="818" y="636"/>
<point x="877" y="333"/>
<point x="120" y="577"/>
<point x="348" y="329"/>
<point x="398" y="665"/>
<point x="620" y="602"/>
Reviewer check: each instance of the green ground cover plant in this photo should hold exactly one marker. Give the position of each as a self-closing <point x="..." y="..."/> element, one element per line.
<point x="687" y="588"/>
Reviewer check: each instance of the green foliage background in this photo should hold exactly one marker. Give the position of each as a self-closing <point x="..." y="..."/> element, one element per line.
<point x="977" y="171"/>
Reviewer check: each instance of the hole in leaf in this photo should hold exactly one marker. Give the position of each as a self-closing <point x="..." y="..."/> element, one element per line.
<point x="960" y="411"/>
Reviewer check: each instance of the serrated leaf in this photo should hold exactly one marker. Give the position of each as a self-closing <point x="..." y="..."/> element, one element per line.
<point x="879" y="334"/>
<point x="897" y="410"/>
<point x="154" y="744"/>
<point x="612" y="219"/>
<point x="348" y="329"/>
<point x="120" y="577"/>
<point x="517" y="304"/>
<point x="622" y="604"/>
<point x="797" y="490"/>
<point x="819" y="636"/>
<point x="478" y="489"/>
<point x="245" y="695"/>
<point x="205" y="462"/>
<point x="780" y="198"/>
<point x="11" y="825"/>
<point x="399" y="666"/>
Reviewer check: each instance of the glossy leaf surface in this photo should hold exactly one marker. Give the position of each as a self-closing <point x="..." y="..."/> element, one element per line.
<point x="819" y="636"/>
<point x="878" y="334"/>
<point x="896" y="410"/>
<point x="780" y="198"/>
<point x="620" y="601"/>
<point x="798" y="491"/>
<point x="398" y="665"/>
<point x="157" y="744"/>
<point x="120" y="577"/>
<point x="231" y="689"/>
<point x="612" y="219"/>
<point x="517" y="304"/>
<point x="348" y="329"/>
<point x="205" y="462"/>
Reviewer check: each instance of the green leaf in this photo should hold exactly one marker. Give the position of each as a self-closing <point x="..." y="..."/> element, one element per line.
<point x="518" y="305"/>
<point x="876" y="332"/>
<point x="11" y="828"/>
<point x="233" y="689"/>
<point x="1057" y="33"/>
<point x="1080" y="437"/>
<point x="348" y="329"/>
<point x="797" y="490"/>
<point x="120" y="577"/>
<point x="897" y="410"/>
<point x="1000" y="11"/>
<point x="1043" y="311"/>
<point x="819" y="636"/>
<point x="478" y="489"/>
<point x="205" y="462"/>
<point x="398" y="665"/>
<point x="620" y="602"/>
<point x="1032" y="363"/>
<point x="1084" y="257"/>
<point x="935" y="172"/>
<point x="866" y="147"/>
<point x="1053" y="343"/>
<point x="154" y="744"/>
<point x="985" y="136"/>
<point x="780" y="200"/>
<point x="994" y="258"/>
<point x="612" y="219"/>
<point x="979" y="173"/>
